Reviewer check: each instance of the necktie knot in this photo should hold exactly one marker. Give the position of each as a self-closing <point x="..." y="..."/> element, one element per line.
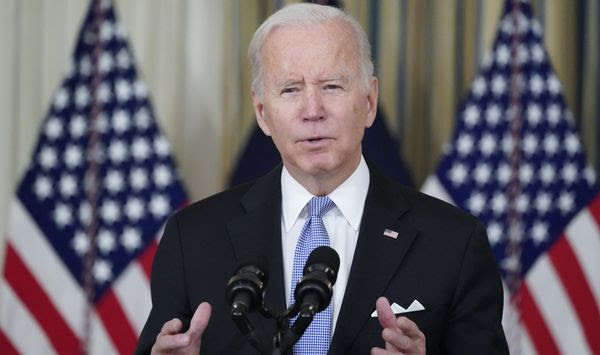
<point x="318" y="206"/>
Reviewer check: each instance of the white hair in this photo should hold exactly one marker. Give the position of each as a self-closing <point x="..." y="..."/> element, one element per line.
<point x="307" y="14"/>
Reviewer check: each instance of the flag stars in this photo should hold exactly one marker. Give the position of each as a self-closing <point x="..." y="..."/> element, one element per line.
<point x="498" y="85"/>
<point x="590" y="175"/>
<point x="161" y="146"/>
<point x="106" y="241"/>
<point x="107" y="31"/>
<point x="482" y="174"/>
<point x="61" y="98"/>
<point x="134" y="209"/>
<point x="553" y="112"/>
<point x="117" y="151"/>
<point x="82" y="96"/>
<point x="534" y="114"/>
<point x="77" y="126"/>
<point x="508" y="144"/>
<point x="73" y="156"/>
<point x="504" y="173"/>
<point x="493" y="114"/>
<point x="121" y="121"/>
<point x="537" y="53"/>
<point x="550" y="144"/>
<point x="502" y="55"/>
<point x="487" y="144"/>
<point x="104" y="94"/>
<point x="106" y="62"/>
<point x="539" y="232"/>
<point x="62" y="215"/>
<point x="138" y="179"/>
<point x="547" y="174"/>
<point x="85" y="213"/>
<point x="85" y="66"/>
<point x="140" y="149"/>
<point x="553" y="84"/>
<point x="457" y="174"/>
<point x="464" y="145"/>
<point x="140" y="90"/>
<point x="123" y="89"/>
<point x="471" y="115"/>
<point x="572" y="144"/>
<point x="479" y="87"/>
<point x="476" y="203"/>
<point x="47" y="157"/>
<point x="566" y="202"/>
<point x="543" y="202"/>
<point x="80" y="243"/>
<point x="536" y="85"/>
<point x="499" y="203"/>
<point x="114" y="181"/>
<point x="53" y="128"/>
<point x="494" y="233"/>
<point x="522" y="203"/>
<point x="522" y="54"/>
<point x="162" y="176"/>
<point x="159" y="206"/>
<point x="142" y="119"/>
<point x="569" y="173"/>
<point x="68" y="185"/>
<point x="110" y="212"/>
<point x="131" y="239"/>
<point x="123" y="59"/>
<point x="102" y="271"/>
<point x="42" y="187"/>
<point x="526" y="174"/>
<point x="530" y="144"/>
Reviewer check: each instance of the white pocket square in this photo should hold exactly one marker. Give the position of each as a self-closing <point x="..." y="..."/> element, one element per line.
<point x="397" y="309"/>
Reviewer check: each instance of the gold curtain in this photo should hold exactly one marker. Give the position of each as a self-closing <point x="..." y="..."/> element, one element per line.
<point x="426" y="54"/>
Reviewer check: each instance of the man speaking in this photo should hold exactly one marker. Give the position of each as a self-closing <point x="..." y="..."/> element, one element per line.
<point x="416" y="275"/>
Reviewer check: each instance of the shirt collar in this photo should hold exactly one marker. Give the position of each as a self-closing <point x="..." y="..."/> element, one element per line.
<point x="349" y="197"/>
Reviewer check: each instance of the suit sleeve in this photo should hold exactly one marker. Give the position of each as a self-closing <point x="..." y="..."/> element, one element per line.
<point x="475" y="322"/>
<point x="167" y="285"/>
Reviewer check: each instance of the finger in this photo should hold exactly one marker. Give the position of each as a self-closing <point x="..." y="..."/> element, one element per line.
<point x="199" y="321"/>
<point x="385" y="315"/>
<point x="171" y="327"/>
<point x="380" y="351"/>
<point x="166" y="342"/>
<point x="396" y="340"/>
<point x="409" y="328"/>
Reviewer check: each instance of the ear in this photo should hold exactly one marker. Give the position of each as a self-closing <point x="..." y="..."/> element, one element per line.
<point x="259" y="112"/>
<point x="372" y="95"/>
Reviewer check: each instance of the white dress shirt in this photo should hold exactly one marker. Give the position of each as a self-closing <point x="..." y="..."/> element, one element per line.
<point x="342" y="223"/>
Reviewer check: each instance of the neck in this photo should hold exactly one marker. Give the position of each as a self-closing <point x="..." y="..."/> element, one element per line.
<point x="325" y="182"/>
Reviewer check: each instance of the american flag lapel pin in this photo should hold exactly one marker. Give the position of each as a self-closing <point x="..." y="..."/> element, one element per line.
<point x="390" y="233"/>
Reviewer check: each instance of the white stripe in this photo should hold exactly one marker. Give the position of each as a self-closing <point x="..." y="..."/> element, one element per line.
<point x="49" y="271"/>
<point x="132" y="289"/>
<point x="19" y="326"/>
<point x="584" y="238"/>
<point x="100" y="343"/>
<point x="517" y="336"/>
<point x="433" y="187"/>
<point x="555" y="307"/>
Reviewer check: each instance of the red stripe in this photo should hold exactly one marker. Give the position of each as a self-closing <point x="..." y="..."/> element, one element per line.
<point x="594" y="208"/>
<point x="576" y="285"/>
<point x="535" y="324"/>
<point x="39" y="304"/>
<point x="116" y="323"/>
<point x="6" y="346"/>
<point x="146" y="258"/>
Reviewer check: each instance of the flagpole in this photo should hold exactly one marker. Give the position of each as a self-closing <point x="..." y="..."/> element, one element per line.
<point x="91" y="181"/>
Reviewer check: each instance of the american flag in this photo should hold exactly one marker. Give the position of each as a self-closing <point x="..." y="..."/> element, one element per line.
<point x="84" y="222"/>
<point x="516" y="162"/>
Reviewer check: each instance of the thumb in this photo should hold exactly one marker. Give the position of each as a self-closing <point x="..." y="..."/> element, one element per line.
<point x="385" y="315"/>
<point x="199" y="322"/>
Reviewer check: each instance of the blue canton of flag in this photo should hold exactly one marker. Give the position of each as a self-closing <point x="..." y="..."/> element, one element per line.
<point x="516" y="162"/>
<point x="97" y="192"/>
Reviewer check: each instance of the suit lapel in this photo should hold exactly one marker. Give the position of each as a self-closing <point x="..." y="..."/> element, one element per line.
<point x="259" y="230"/>
<point x="376" y="259"/>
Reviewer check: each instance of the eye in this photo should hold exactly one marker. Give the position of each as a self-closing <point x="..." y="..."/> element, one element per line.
<point x="332" y="87"/>
<point x="289" y="90"/>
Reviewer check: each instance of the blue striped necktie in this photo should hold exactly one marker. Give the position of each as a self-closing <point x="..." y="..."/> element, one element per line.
<point x="318" y="335"/>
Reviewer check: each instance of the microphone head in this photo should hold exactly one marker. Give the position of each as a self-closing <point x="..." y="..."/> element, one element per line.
<point x="246" y="286"/>
<point x="253" y="260"/>
<point x="323" y="256"/>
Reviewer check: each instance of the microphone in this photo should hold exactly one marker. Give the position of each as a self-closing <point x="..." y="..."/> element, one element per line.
<point x="244" y="292"/>
<point x="313" y="292"/>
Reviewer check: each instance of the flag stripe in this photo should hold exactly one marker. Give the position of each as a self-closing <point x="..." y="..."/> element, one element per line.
<point x="35" y="299"/>
<point x="577" y="288"/>
<point x="6" y="346"/>
<point x="19" y="325"/>
<point x="99" y="343"/>
<point x="116" y="323"/>
<point x="556" y="308"/>
<point x="584" y="237"/>
<point x="42" y="261"/>
<point x="134" y="281"/>
<point x="535" y="324"/>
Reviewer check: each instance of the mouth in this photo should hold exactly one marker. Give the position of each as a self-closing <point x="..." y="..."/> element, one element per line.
<point x="315" y="142"/>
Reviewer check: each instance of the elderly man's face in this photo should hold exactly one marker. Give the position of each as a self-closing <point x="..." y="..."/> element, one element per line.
<point x="314" y="104"/>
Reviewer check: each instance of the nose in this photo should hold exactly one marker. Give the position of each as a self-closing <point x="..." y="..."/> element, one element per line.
<point x="313" y="105"/>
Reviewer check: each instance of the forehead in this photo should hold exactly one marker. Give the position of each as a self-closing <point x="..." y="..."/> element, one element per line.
<point x="310" y="49"/>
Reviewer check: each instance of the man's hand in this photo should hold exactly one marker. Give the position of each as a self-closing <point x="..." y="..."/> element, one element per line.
<point x="170" y="341"/>
<point x="401" y="335"/>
